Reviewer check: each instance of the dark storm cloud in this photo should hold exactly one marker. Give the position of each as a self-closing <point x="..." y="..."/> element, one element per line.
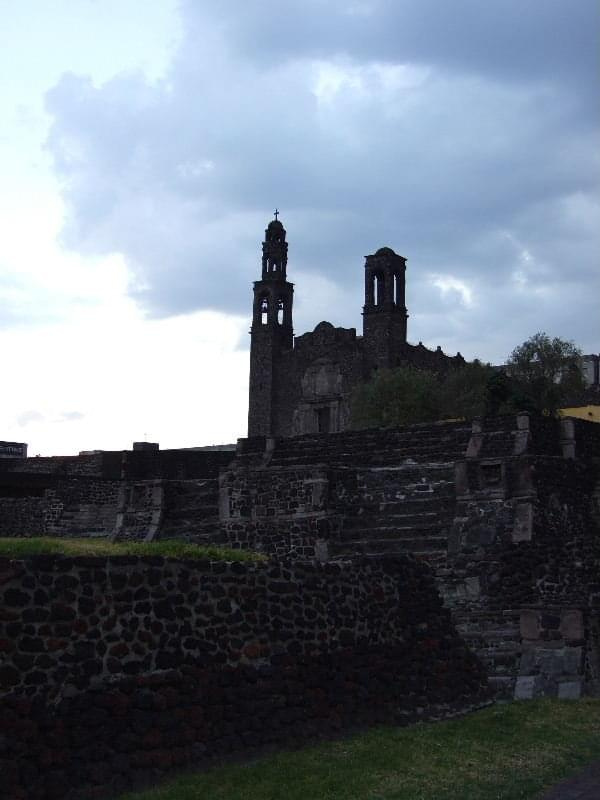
<point x="502" y="38"/>
<point x="458" y="133"/>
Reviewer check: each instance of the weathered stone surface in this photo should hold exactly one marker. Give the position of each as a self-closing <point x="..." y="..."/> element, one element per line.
<point x="571" y="625"/>
<point x="569" y="690"/>
<point x="530" y="624"/>
<point x="523" y="522"/>
<point x="376" y="493"/>
<point x="508" y="530"/>
<point x="525" y="687"/>
<point x="223" y="658"/>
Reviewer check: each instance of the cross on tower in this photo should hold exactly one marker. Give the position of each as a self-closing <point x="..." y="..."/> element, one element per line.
<point x="276" y="213"/>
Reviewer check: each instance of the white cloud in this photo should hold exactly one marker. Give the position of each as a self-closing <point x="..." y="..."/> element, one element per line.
<point x="125" y="377"/>
<point x="452" y="287"/>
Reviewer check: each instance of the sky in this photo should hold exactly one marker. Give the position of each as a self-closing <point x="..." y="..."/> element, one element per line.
<point x="144" y="145"/>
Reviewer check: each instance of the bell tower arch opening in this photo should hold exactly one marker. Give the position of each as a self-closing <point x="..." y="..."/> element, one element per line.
<point x="378" y="288"/>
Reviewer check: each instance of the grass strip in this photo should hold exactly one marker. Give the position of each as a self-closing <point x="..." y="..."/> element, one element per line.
<point x="507" y="752"/>
<point x="169" y="548"/>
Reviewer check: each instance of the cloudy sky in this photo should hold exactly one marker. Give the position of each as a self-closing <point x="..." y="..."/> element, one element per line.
<point x="145" y="143"/>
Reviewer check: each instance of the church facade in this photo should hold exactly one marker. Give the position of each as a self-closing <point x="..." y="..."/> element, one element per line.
<point x="303" y="384"/>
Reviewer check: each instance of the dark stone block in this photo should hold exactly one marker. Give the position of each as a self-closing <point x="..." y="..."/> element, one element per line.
<point x="15" y="598"/>
<point x="32" y="645"/>
<point x="86" y="605"/>
<point x="56" y="784"/>
<point x="550" y="621"/>
<point x="154" y="577"/>
<point x="133" y="667"/>
<point x="35" y="614"/>
<point x="166" y="660"/>
<point x="346" y="637"/>
<point x="60" y="612"/>
<point x="63" y="582"/>
<point x="164" y="610"/>
<point x="43" y="661"/>
<point x="9" y="676"/>
<point x="35" y="678"/>
<point x="24" y="661"/>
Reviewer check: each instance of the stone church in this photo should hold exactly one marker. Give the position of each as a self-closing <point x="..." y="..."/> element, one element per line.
<point x="303" y="384"/>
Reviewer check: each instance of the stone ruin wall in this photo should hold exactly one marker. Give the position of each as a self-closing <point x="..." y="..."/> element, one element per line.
<point x="116" y="670"/>
<point x="515" y="536"/>
<point x="128" y="495"/>
<point x="284" y="512"/>
<point x="523" y="575"/>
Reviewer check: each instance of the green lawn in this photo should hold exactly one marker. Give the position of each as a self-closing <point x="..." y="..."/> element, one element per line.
<point x="170" y="548"/>
<point x="501" y="753"/>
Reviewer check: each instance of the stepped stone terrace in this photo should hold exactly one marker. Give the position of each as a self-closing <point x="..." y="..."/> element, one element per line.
<point x="503" y="511"/>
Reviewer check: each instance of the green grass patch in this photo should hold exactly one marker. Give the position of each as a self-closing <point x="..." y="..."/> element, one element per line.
<point x="169" y="548"/>
<point x="506" y="752"/>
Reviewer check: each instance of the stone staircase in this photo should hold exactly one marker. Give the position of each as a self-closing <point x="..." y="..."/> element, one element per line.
<point x="498" y="437"/>
<point x="85" y="519"/>
<point x="398" y="511"/>
<point x="169" y="509"/>
<point x="394" y="488"/>
<point x="427" y="443"/>
<point x="191" y="511"/>
<point x="496" y="639"/>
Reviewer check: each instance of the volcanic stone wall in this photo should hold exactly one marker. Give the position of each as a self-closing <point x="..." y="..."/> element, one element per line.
<point x="116" y="670"/>
<point x="587" y="437"/>
<point x="90" y="465"/>
<point x="282" y="511"/>
<point x="111" y="493"/>
<point x="59" y="506"/>
<point x="522" y="577"/>
<point x="507" y="516"/>
<point x="295" y="496"/>
<point x="126" y="464"/>
<point x="22" y="516"/>
<point x="174" y="464"/>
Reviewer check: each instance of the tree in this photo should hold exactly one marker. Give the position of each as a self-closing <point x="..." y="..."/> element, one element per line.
<point x="405" y="395"/>
<point x="501" y="395"/>
<point x="464" y="392"/>
<point x="396" y="397"/>
<point x="542" y="375"/>
<point x="546" y="372"/>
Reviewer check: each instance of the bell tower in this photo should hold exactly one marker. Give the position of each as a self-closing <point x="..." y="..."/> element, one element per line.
<point x="272" y="330"/>
<point x="384" y="312"/>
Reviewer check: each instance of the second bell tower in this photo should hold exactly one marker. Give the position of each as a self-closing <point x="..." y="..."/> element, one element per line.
<point x="384" y="312"/>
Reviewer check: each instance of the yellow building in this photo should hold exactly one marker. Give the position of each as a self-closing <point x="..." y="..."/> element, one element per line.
<point x="589" y="413"/>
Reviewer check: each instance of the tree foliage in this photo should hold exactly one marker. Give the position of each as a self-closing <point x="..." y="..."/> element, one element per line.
<point x="404" y="395"/>
<point x="395" y="397"/>
<point x="542" y="374"/>
<point x="546" y="372"/>
<point x="464" y="392"/>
